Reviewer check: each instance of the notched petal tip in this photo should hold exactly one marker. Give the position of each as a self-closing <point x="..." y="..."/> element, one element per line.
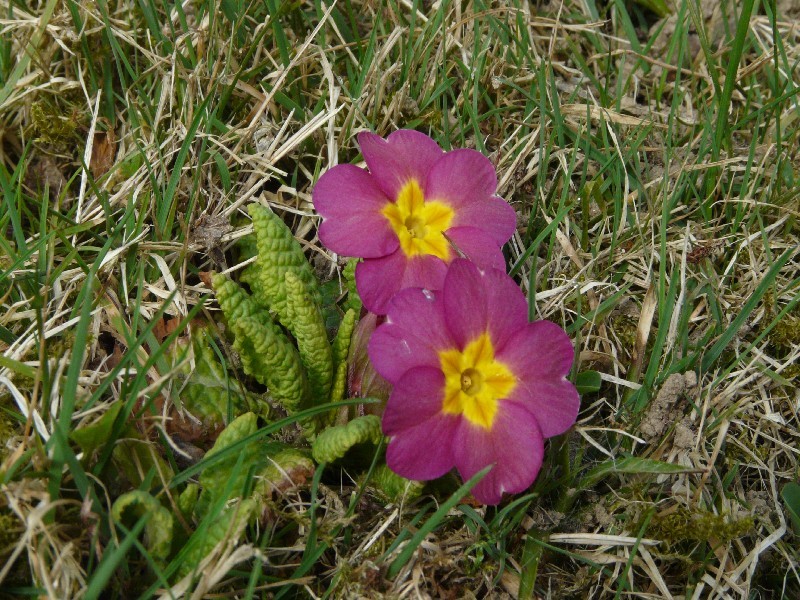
<point x="461" y="178"/>
<point x="404" y="155"/>
<point x="465" y="304"/>
<point x="367" y="137"/>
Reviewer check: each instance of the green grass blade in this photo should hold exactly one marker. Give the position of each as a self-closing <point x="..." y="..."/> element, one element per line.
<point x="44" y="19"/>
<point x="435" y="520"/>
<point x="112" y="559"/>
<point x="713" y="353"/>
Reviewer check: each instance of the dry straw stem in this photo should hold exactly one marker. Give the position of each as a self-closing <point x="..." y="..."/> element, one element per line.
<point x="654" y="248"/>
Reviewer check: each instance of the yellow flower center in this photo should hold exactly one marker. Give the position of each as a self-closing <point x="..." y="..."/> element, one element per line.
<point x="475" y="382"/>
<point x="418" y="223"/>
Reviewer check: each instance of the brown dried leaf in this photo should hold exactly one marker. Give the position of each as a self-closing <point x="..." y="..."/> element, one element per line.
<point x="294" y="477"/>
<point x="205" y="277"/>
<point x="103" y="152"/>
<point x="649" y="306"/>
<point x="164" y="327"/>
<point x="188" y="430"/>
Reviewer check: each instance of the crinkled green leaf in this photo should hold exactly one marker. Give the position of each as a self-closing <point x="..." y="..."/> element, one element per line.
<point x="136" y="458"/>
<point x="187" y="501"/>
<point x="349" y="275"/>
<point x="339" y="386"/>
<point x="268" y="356"/>
<point x="331" y="292"/>
<point x="278" y="253"/>
<point x="393" y="487"/>
<point x="226" y="527"/>
<point x="246" y="246"/>
<point x="158" y="531"/>
<point x="207" y="390"/>
<point x="94" y="436"/>
<point x="259" y="467"/>
<point x="235" y="302"/>
<point x="341" y="347"/>
<point x="341" y="344"/>
<point x="333" y="443"/>
<point x="308" y="328"/>
<point x="225" y="476"/>
<point x="266" y="352"/>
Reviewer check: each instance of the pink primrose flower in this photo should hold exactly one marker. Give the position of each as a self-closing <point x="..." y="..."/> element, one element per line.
<point x="412" y="213"/>
<point x="475" y="384"/>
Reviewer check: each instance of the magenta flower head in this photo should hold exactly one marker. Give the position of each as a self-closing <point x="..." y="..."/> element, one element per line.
<point x="412" y="213"/>
<point x="475" y="384"/>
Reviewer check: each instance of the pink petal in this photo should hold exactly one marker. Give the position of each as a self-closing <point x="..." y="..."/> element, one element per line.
<point x="507" y="306"/>
<point x="412" y="336"/>
<point x="421" y="446"/>
<point x="514" y="446"/>
<point x="417" y="397"/>
<point x="425" y="271"/>
<point x="424" y="452"/>
<point x="554" y="404"/>
<point x="494" y="215"/>
<point x="379" y="279"/>
<point x="405" y="154"/>
<point x="460" y="178"/>
<point x="541" y="350"/>
<point x="478" y="246"/>
<point x="465" y="302"/>
<point x="351" y="202"/>
<point x="541" y="355"/>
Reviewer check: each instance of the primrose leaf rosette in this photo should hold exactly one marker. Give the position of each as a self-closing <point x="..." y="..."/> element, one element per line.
<point x="475" y="384"/>
<point x="422" y="207"/>
<point x="279" y="330"/>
